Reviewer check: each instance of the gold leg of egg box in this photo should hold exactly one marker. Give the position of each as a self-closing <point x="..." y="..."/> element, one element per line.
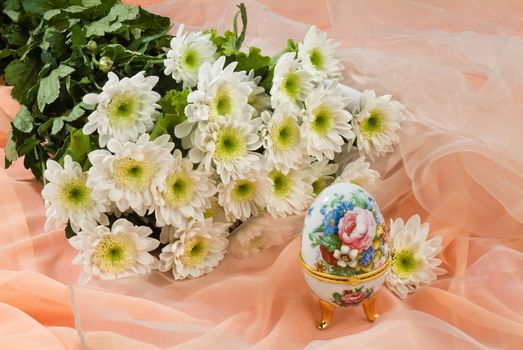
<point x="368" y="308"/>
<point x="327" y="311"/>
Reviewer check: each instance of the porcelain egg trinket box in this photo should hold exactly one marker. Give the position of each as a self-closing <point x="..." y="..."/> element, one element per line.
<point x="344" y="254"/>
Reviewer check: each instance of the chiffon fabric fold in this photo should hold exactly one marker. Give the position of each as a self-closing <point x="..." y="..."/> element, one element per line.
<point x="459" y="164"/>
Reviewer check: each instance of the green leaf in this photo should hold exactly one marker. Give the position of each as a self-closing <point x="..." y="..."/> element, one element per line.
<point x="253" y="60"/>
<point x="174" y="102"/>
<point x="173" y="106"/>
<point x="359" y="199"/>
<point x="28" y="145"/>
<point x="151" y="22"/>
<point x="52" y="39"/>
<point x="58" y="124"/>
<point x="12" y="9"/>
<point x="91" y="3"/>
<point x="119" y="54"/>
<point x="77" y="36"/>
<point x="318" y="229"/>
<point x="330" y="242"/>
<point x="10" y="150"/>
<point x="22" y="76"/>
<point x="6" y="53"/>
<point x="226" y="44"/>
<point x="23" y="120"/>
<point x="51" y="13"/>
<point x="79" y="146"/>
<point x="49" y="89"/>
<point x="74" y="114"/>
<point x="46" y="125"/>
<point x="291" y="46"/>
<point x="113" y="21"/>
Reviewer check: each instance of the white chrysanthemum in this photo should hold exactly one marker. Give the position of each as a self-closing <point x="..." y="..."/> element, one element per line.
<point x="245" y="196"/>
<point x="67" y="196"/>
<point x="216" y="212"/>
<point x="258" y="99"/>
<point x="359" y="172"/>
<point x="184" y="194"/>
<point x="284" y="147"/>
<point x="290" y="83"/>
<point x="321" y="174"/>
<point x="376" y="123"/>
<point x="118" y="252"/>
<point x="221" y="92"/>
<point x="188" y="52"/>
<point x="317" y="53"/>
<point x="290" y="193"/>
<point x="414" y="261"/>
<point x="229" y="144"/>
<point x="253" y="236"/>
<point x="326" y="123"/>
<point x="125" y="109"/>
<point x="196" y="249"/>
<point x="131" y="174"/>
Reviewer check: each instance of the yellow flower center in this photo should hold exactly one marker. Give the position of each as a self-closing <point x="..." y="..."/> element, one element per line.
<point x="133" y="174"/>
<point x="374" y="124"/>
<point x="285" y="134"/>
<point x="180" y="188"/>
<point x="281" y="184"/>
<point x="75" y="194"/>
<point x="115" y="253"/>
<point x="244" y="190"/>
<point x="405" y="263"/>
<point x="195" y="251"/>
<point x="223" y="103"/>
<point x="123" y="110"/>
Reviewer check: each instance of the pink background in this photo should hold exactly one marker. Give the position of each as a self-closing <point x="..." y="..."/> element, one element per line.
<point x="457" y="65"/>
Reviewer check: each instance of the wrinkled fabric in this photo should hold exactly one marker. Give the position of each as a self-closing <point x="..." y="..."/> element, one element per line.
<point x="457" y="68"/>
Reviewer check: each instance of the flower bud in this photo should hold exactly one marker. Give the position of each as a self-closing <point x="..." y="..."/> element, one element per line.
<point x="91" y="45"/>
<point x="105" y="64"/>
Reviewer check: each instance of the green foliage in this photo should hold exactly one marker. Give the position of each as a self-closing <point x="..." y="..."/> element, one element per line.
<point x="253" y="60"/>
<point x="79" y="146"/>
<point x="359" y="199"/>
<point x="51" y="53"/>
<point x="45" y="57"/>
<point x="330" y="242"/>
<point x="23" y="120"/>
<point x="10" y="150"/>
<point x="49" y="87"/>
<point x="113" y="21"/>
<point x="173" y="106"/>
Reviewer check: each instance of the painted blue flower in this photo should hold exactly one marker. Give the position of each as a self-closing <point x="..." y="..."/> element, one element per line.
<point x="309" y="212"/>
<point x="330" y="222"/>
<point x="323" y="210"/>
<point x="370" y="203"/>
<point x="345" y="206"/>
<point x="367" y="256"/>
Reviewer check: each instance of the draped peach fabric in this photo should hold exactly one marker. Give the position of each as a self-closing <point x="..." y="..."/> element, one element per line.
<point x="457" y="66"/>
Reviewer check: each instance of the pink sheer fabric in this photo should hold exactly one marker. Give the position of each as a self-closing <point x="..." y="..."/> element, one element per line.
<point x="457" y="67"/>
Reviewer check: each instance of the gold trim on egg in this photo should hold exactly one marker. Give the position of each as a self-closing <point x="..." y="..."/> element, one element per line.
<point x="352" y="280"/>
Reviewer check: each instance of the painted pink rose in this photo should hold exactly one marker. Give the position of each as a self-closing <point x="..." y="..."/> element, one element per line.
<point x="356" y="229"/>
<point x="352" y="298"/>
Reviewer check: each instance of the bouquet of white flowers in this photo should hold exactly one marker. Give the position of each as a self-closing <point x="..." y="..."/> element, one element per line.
<point x="146" y="141"/>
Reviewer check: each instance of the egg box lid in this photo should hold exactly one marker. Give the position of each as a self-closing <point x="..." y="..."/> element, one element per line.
<point x="344" y="232"/>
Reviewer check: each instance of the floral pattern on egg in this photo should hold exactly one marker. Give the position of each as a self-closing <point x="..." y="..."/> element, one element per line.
<point x="351" y="238"/>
